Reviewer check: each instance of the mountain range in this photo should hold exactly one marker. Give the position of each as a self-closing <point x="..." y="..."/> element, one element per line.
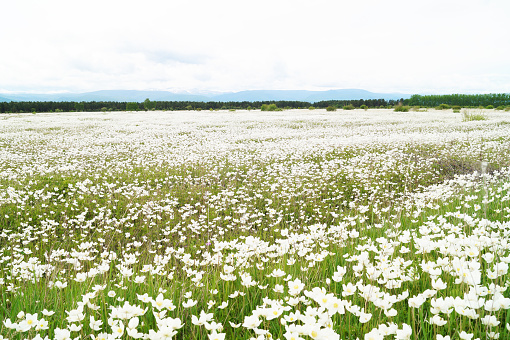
<point x="250" y="95"/>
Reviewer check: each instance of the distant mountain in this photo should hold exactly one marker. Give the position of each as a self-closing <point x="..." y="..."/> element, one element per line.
<point x="251" y="96"/>
<point x="263" y="95"/>
<point x="349" y="94"/>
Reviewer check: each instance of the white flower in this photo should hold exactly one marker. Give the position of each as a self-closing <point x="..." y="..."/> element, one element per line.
<point x="80" y="277"/>
<point x="295" y="286"/>
<point x="374" y="334"/>
<point x="465" y="336"/>
<point x="47" y="313"/>
<point x="41" y="325"/>
<point x="160" y="302"/>
<point x="75" y="328"/>
<point x="438" y="284"/>
<point x="189" y="303"/>
<point x="440" y="337"/>
<point x="62" y="334"/>
<point x="493" y="335"/>
<point x="278" y="288"/>
<point x="139" y="279"/>
<point x="348" y="289"/>
<point x="216" y="336"/>
<point x="95" y="324"/>
<point x="438" y="320"/>
<point x="60" y="285"/>
<point x="364" y="317"/>
<point x="404" y="333"/>
<point x="490" y="320"/>
<point x="416" y="301"/>
<point x="204" y="317"/>
<point x="251" y="322"/>
<point x="75" y="315"/>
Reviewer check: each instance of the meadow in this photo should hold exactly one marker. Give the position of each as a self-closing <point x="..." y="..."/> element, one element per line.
<point x="298" y="224"/>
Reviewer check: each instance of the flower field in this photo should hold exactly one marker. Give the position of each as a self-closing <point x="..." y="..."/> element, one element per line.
<point x="288" y="225"/>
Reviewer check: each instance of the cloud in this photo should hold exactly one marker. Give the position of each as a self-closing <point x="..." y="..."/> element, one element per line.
<point x="228" y="45"/>
<point x="165" y="57"/>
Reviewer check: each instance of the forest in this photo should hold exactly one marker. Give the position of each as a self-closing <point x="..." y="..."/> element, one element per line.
<point x="462" y="100"/>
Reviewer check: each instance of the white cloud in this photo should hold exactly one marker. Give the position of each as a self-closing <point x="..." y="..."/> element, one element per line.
<point x="408" y="46"/>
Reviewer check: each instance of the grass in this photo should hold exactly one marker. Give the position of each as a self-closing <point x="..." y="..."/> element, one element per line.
<point x="473" y="116"/>
<point x="401" y="108"/>
<point x="191" y="227"/>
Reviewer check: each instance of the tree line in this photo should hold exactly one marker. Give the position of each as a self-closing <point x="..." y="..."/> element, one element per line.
<point x="463" y="100"/>
<point x="97" y="106"/>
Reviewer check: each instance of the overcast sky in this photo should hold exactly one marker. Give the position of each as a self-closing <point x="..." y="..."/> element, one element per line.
<point x="432" y="46"/>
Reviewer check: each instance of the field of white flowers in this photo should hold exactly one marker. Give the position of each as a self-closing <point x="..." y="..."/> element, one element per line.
<point x="254" y="225"/>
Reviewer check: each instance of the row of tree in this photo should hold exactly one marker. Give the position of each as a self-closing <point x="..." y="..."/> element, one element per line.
<point x="463" y="100"/>
<point x="51" y="106"/>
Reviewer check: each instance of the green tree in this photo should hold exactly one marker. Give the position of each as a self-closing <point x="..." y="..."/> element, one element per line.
<point x="270" y="107"/>
<point x="132" y="106"/>
<point x="148" y="105"/>
<point x="79" y="107"/>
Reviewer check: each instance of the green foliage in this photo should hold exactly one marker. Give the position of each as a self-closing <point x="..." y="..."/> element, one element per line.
<point x="364" y="107"/>
<point x="417" y="108"/>
<point x="501" y="107"/>
<point x="189" y="108"/>
<point x="401" y="108"/>
<point x="348" y="107"/>
<point x="456" y="107"/>
<point x="132" y="106"/>
<point x="489" y="107"/>
<point x="443" y="107"/>
<point x="331" y="108"/>
<point x="473" y="116"/>
<point x="483" y="100"/>
<point x="311" y="108"/>
<point x="148" y="105"/>
<point x="268" y="107"/>
<point x="464" y="100"/>
<point x="79" y="107"/>
<point x="16" y="107"/>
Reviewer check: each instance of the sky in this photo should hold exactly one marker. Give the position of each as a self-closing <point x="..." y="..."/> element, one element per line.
<point x="406" y="46"/>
